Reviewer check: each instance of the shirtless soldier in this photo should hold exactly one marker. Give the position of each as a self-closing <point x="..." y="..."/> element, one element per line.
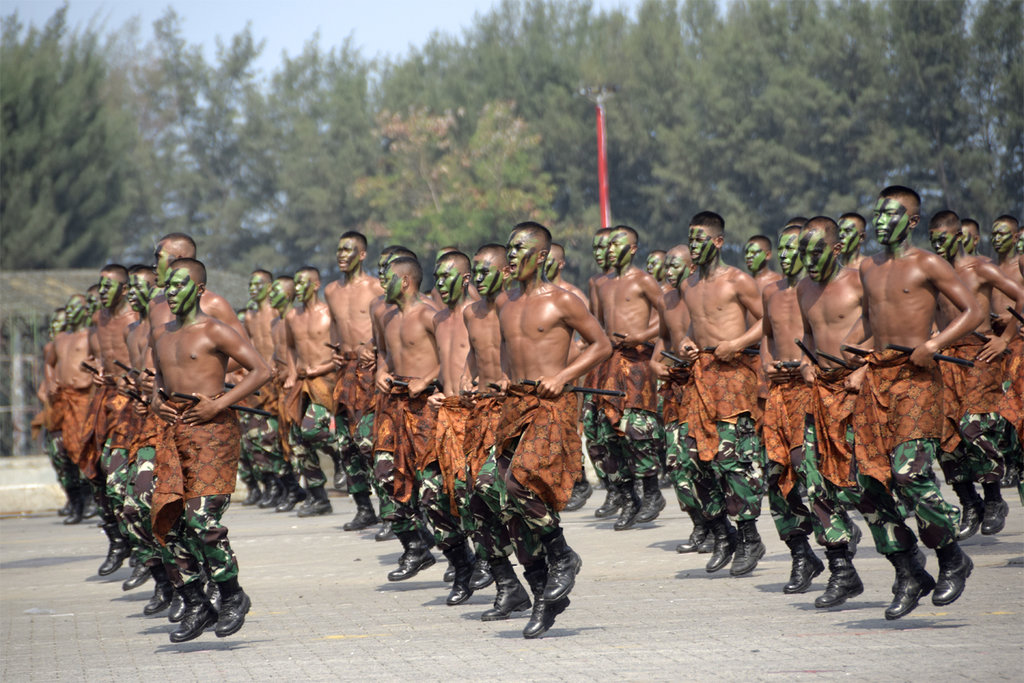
<point x="281" y="487"/>
<point x="978" y="390"/>
<point x="196" y="474"/>
<point x="629" y="426"/>
<point x="722" y="403"/>
<point x="1005" y="231"/>
<point x="787" y="407"/>
<point x="349" y="299"/>
<point x="260" y="443"/>
<point x="757" y="256"/>
<point x="537" y="435"/>
<point x="971" y="238"/>
<point x="899" y="413"/>
<point x="851" y="235"/>
<point x="310" y="387"/>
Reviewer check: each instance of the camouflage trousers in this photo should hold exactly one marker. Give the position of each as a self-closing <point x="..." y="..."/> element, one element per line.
<point x="829" y="502"/>
<point x="68" y="475"/>
<point x="593" y="443"/>
<point x="311" y="439"/>
<point x="435" y="503"/>
<point x="791" y="516"/>
<point x="357" y="453"/>
<point x="199" y="541"/>
<point x="404" y="516"/>
<point x="114" y="467"/>
<point x="632" y="450"/>
<point x="498" y="528"/>
<point x="986" y="439"/>
<point x="138" y="507"/>
<point x="261" y="447"/>
<point x="739" y="465"/>
<point x="695" y="482"/>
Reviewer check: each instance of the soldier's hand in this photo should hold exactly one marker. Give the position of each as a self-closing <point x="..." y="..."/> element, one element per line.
<point x="167" y="412"/>
<point x="690" y="351"/>
<point x="435" y="399"/>
<point x="726" y="351"/>
<point x="923" y="355"/>
<point x="855" y="380"/>
<point x="807" y="372"/>
<point x="550" y="387"/>
<point x="383" y="382"/>
<point x="203" y="411"/>
<point x="659" y="370"/>
<point x="992" y="349"/>
<point x="418" y="386"/>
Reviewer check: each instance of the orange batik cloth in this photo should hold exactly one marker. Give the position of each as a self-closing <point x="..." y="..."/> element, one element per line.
<point x="549" y="455"/>
<point x="449" y="441"/>
<point x="193" y="461"/>
<point x="319" y="390"/>
<point x="789" y="402"/>
<point x="71" y="418"/>
<point x="971" y="390"/>
<point x="832" y="406"/>
<point x="720" y="392"/>
<point x="899" y="402"/>
<point x="481" y="434"/>
<point x="353" y="392"/>
<point x="404" y="426"/>
<point x="673" y="391"/>
<point x="627" y="370"/>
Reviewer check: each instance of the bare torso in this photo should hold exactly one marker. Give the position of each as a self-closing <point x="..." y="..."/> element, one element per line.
<point x="677" y="319"/>
<point x="782" y="321"/>
<point x="625" y="302"/>
<point x="536" y="337"/>
<point x="484" y="333"/>
<point x="830" y="310"/>
<point x="309" y="331"/>
<point x="1011" y="268"/>
<point x="350" y="303"/>
<point x="111" y="329"/>
<point x="189" y="361"/>
<point x="717" y="313"/>
<point x="453" y="346"/>
<point x="409" y="343"/>
<point x="70" y="349"/>
<point x="258" y="324"/>
<point x="899" y="298"/>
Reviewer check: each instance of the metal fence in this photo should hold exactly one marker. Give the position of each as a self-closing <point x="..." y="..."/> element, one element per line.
<point x="22" y="337"/>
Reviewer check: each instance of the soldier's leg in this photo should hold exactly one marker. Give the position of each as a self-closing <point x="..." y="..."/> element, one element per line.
<point x="643" y="444"/>
<point x="740" y="464"/>
<point x="912" y="474"/>
<point x="985" y="463"/>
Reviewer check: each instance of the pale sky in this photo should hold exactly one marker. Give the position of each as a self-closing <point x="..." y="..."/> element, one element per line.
<point x="378" y="28"/>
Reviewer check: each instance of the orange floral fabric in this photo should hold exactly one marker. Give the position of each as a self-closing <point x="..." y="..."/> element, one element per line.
<point x="71" y="418"/>
<point x="481" y="433"/>
<point x="789" y="402"/>
<point x="898" y="402"/>
<point x="449" y="440"/>
<point x="353" y="392"/>
<point x="193" y="461"/>
<point x="833" y="406"/>
<point x="719" y="392"/>
<point x="405" y="427"/>
<point x="970" y="390"/>
<point x="673" y="391"/>
<point x="628" y="370"/>
<point x="549" y="454"/>
<point x="319" y="390"/>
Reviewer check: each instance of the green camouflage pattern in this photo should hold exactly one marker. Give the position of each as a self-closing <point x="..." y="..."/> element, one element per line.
<point x="310" y="440"/>
<point x="739" y="464"/>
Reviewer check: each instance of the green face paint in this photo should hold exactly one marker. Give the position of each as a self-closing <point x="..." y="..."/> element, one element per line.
<point x="278" y="297"/>
<point x="259" y="287"/>
<point x="349" y="254"/>
<point x="892" y="224"/>
<point x="58" y="323"/>
<point x="303" y="287"/>
<point x="109" y="291"/>
<point x="487" y="277"/>
<point x="392" y="287"/>
<point x="523" y="251"/>
<point x="619" y="255"/>
<point x="163" y="266"/>
<point x="969" y="240"/>
<point x="850" y="236"/>
<point x="655" y="266"/>
<point x="702" y="247"/>
<point x="76" y="311"/>
<point x="448" y="280"/>
<point x="1020" y="242"/>
<point x="789" y="254"/>
<point x="600" y="249"/>
<point x="944" y="243"/>
<point x="182" y="293"/>
<point x="139" y="293"/>
<point x="92" y="303"/>
<point x="677" y="268"/>
<point x="754" y="256"/>
<point x="818" y="256"/>
<point x="551" y="268"/>
<point x="1002" y="237"/>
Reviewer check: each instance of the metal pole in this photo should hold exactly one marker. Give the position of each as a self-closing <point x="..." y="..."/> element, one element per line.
<point x="602" y="165"/>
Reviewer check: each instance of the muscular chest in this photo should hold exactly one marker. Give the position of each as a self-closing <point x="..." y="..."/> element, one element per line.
<point x="709" y="299"/>
<point x="783" y="309"/>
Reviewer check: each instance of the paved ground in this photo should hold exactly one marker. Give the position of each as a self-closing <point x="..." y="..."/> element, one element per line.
<point x="322" y="610"/>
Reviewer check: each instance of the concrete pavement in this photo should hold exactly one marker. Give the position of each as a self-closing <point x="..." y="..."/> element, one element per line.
<point x="323" y="611"/>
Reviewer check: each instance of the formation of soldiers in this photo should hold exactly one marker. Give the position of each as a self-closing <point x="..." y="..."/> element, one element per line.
<point x="831" y="386"/>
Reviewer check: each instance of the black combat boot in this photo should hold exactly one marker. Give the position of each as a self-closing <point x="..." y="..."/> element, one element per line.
<point x="482" y="577"/>
<point x="806" y="565"/>
<point x="954" y="568"/>
<point x="91" y="508"/>
<point x="912" y="583"/>
<point x="163" y="592"/>
<point x="725" y="543"/>
<point x="462" y="559"/>
<point x="271" y="491"/>
<point x="234" y="605"/>
<point x="416" y="557"/>
<point x="255" y="495"/>
<point x="612" y="503"/>
<point x="140" y="575"/>
<point x="511" y="597"/>
<point x="543" y="616"/>
<point x="972" y="508"/>
<point x="293" y="493"/>
<point x="563" y="566"/>
<point x="995" y="511"/>
<point x="77" y="498"/>
<point x="581" y="491"/>
<point x="365" y="516"/>
<point x="843" y="582"/>
<point x="697" y="536"/>
<point x="385" y="533"/>
<point x="652" y="503"/>
<point x="319" y="503"/>
<point x="749" y="550"/>
<point x="118" y="551"/>
<point x="177" y="609"/>
<point x="199" y="614"/>
<point x="630" y="506"/>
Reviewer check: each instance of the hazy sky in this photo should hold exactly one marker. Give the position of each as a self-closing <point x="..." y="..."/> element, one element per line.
<point x="382" y="27"/>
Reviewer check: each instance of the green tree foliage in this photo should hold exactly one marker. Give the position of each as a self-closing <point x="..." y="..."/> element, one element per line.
<point x="64" y="148"/>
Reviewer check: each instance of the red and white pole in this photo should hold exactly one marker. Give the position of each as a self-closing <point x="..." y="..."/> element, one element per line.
<point x="602" y="166"/>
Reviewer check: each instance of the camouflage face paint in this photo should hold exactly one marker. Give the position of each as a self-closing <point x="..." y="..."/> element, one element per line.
<point x="892" y="224"/>
<point x="676" y="269"/>
<point x="448" y="280"/>
<point x="944" y="243"/>
<point x="58" y="323"/>
<point x="108" y="291"/>
<point x="702" y="246"/>
<point x="76" y="311"/>
<point x="139" y="292"/>
<point x="487" y="277"/>
<point x="754" y="256"/>
<point x="1002" y="237"/>
<point x="523" y="252"/>
<point x="278" y="297"/>
<point x="655" y="266"/>
<point x="259" y="287"/>
<point x="619" y="250"/>
<point x="600" y="249"/>
<point x="789" y="254"/>
<point x="163" y="265"/>
<point x="393" y="287"/>
<point x="303" y="287"/>
<point x="850" y="236"/>
<point x="969" y="240"/>
<point x="182" y="293"/>
<point x="818" y="257"/>
<point x="349" y="254"/>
